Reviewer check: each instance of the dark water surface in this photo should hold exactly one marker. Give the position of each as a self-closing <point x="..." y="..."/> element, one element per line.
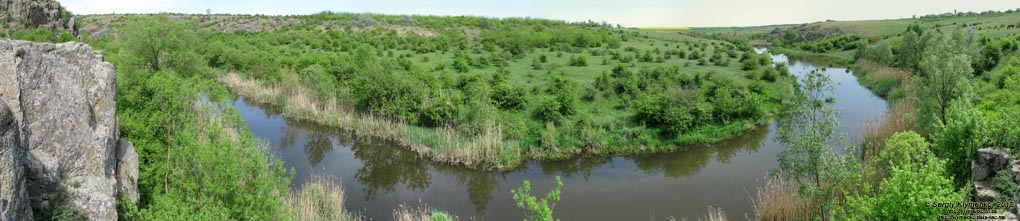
<point x="379" y="176"/>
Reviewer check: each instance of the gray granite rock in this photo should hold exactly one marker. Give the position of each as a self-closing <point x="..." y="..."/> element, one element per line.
<point x="63" y="98"/>
<point x="46" y="14"/>
<point x="13" y="197"/>
<point x="127" y="171"/>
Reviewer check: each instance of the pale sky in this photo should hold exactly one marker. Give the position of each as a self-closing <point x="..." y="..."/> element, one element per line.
<point x="633" y="13"/>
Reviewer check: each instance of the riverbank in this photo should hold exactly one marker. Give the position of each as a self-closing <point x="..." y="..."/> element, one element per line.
<point x="842" y="58"/>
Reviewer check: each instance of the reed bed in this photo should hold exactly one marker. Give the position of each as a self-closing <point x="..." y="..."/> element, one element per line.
<point x="487" y="150"/>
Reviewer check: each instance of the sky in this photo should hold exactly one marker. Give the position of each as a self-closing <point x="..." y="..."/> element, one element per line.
<point x="632" y="13"/>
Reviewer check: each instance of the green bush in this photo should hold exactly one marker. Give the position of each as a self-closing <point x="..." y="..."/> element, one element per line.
<point x="917" y="179"/>
<point x="958" y="138"/>
<point x="537" y="209"/>
<point x="322" y="84"/>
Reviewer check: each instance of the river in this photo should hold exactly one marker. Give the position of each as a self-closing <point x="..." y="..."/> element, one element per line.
<point x="379" y="176"/>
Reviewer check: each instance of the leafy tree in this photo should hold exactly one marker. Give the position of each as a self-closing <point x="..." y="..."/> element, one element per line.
<point x="161" y="43"/>
<point x="806" y="133"/>
<point x="910" y="50"/>
<point x="944" y="77"/>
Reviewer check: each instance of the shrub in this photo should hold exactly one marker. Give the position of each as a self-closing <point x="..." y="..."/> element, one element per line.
<point x="509" y="97"/>
<point x="323" y="84"/>
<point x="537" y="209"/>
<point x="917" y="178"/>
<point x="578" y="61"/>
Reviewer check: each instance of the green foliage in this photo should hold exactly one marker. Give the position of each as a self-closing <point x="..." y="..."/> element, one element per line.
<point x="509" y="97"/>
<point x="838" y="43"/>
<point x="958" y="138"/>
<point x="374" y="73"/>
<point x="42" y="35"/>
<point x="945" y="73"/>
<point x="676" y="114"/>
<point x="537" y="209"/>
<point x="579" y="61"/>
<point x="179" y="136"/>
<point x="917" y="179"/>
<point x="882" y="53"/>
<point x="439" y="216"/>
<point x="563" y="100"/>
<point x="1003" y="181"/>
<point x="1011" y="71"/>
<point x="161" y="43"/>
<point x="790" y="36"/>
<point x="322" y="84"/>
<point x="380" y="89"/>
<point x="910" y="50"/>
<point x="806" y="132"/>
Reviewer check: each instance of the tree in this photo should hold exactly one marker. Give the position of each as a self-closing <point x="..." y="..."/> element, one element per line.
<point x="945" y="73"/>
<point x="909" y="51"/>
<point x="958" y="137"/>
<point x="806" y="133"/>
<point x="161" y="43"/>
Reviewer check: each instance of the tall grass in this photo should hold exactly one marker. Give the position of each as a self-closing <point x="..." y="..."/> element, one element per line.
<point x="887" y="82"/>
<point x="778" y="200"/>
<point x="901" y="117"/>
<point x="320" y="199"/>
<point x="714" y="214"/>
<point x="420" y="213"/>
<point x="487" y="150"/>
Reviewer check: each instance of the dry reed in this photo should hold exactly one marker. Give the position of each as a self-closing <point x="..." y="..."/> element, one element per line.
<point x="320" y="199"/>
<point x="778" y="200"/>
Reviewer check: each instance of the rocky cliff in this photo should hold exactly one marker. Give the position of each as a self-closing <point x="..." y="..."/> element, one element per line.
<point x="47" y="14"/>
<point x="13" y="197"/>
<point x="62" y="100"/>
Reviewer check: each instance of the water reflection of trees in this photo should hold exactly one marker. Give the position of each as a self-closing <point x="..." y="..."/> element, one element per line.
<point x="317" y="146"/>
<point x="479" y="184"/>
<point x="689" y="161"/>
<point x="385" y="166"/>
<point x="318" y="140"/>
<point x="574" y="166"/>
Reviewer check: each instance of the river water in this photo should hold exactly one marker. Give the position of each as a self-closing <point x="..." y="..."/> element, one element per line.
<point x="379" y="176"/>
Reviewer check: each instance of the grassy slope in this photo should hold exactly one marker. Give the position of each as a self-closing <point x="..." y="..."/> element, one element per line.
<point x="992" y="25"/>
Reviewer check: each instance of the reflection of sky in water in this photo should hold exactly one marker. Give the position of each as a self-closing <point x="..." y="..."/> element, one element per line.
<point x="378" y="176"/>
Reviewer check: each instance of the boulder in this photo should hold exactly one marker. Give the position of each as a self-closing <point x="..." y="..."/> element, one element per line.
<point x="983" y="191"/>
<point x="13" y="197"/>
<point x="990" y="160"/>
<point x="63" y="97"/>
